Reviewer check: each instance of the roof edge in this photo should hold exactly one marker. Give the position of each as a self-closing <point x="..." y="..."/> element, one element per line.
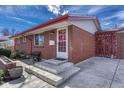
<point x="44" y="24"/>
<point x="58" y="19"/>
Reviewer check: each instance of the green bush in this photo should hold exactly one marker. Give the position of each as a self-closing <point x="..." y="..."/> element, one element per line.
<point x="2" y="74"/>
<point x="5" y="52"/>
<point x="15" y="54"/>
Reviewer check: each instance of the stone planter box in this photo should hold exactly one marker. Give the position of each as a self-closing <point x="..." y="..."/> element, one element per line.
<point x="12" y="71"/>
<point x="6" y="63"/>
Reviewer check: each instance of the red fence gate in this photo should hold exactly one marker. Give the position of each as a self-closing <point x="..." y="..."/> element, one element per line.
<point x="106" y="44"/>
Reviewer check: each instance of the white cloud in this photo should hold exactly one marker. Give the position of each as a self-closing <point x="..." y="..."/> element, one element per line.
<point x="96" y="9"/>
<point x="51" y="18"/>
<point x="107" y="23"/>
<point x="119" y="15"/>
<point x="55" y="9"/>
<point x="65" y="12"/>
<point x="22" y="10"/>
<point x="23" y="20"/>
<point x="121" y="25"/>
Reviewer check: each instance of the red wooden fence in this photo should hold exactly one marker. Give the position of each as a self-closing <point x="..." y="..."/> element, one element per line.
<point x="106" y="44"/>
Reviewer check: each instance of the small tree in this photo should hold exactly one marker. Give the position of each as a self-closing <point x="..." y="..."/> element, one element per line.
<point x="5" y="32"/>
<point x="13" y="31"/>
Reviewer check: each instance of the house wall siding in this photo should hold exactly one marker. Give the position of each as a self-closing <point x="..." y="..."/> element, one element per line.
<point x="82" y="44"/>
<point x="48" y="51"/>
<point x="87" y="25"/>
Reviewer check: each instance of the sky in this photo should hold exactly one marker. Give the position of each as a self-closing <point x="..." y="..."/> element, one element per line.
<point x="22" y="18"/>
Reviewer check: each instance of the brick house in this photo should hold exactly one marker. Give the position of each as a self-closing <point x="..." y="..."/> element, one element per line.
<point x="68" y="37"/>
<point x="6" y="42"/>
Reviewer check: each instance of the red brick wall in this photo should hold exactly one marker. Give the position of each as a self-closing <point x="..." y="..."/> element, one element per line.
<point x="82" y="44"/>
<point x="23" y="46"/>
<point x="48" y="51"/>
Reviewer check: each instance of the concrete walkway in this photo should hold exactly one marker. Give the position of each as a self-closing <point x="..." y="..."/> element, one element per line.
<point x="96" y="72"/>
<point x="29" y="81"/>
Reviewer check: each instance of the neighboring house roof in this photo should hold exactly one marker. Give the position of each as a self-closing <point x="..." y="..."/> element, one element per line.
<point x="4" y="38"/>
<point x="112" y="30"/>
<point x="116" y="29"/>
<point x="62" y="18"/>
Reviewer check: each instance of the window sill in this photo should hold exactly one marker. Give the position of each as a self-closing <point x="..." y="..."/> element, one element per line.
<point x="41" y="46"/>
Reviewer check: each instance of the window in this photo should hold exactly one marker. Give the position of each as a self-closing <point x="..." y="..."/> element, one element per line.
<point x="51" y="36"/>
<point x="39" y="39"/>
<point x="24" y="39"/>
<point x="18" y="40"/>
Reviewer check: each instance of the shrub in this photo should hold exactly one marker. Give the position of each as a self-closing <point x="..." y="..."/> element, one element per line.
<point x="2" y="74"/>
<point x="15" y="54"/>
<point x="5" y="52"/>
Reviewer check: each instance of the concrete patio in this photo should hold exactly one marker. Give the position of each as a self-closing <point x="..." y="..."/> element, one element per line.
<point x="96" y="72"/>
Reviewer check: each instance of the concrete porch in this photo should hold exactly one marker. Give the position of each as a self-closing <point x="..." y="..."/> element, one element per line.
<point x="95" y="72"/>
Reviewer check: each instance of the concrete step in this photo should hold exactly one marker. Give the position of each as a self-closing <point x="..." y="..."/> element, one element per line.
<point x="68" y="74"/>
<point x="50" y="77"/>
<point x="44" y="75"/>
<point x="55" y="62"/>
<point x="55" y="69"/>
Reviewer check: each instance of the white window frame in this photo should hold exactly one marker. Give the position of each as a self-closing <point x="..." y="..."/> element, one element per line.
<point x="38" y="42"/>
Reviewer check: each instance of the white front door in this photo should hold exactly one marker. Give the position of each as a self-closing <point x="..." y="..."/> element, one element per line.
<point x="62" y="43"/>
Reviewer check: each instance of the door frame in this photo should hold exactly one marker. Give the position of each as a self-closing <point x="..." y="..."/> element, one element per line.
<point x="63" y="55"/>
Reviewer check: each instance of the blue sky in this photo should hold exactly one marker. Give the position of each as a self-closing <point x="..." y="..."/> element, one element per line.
<point x="25" y="17"/>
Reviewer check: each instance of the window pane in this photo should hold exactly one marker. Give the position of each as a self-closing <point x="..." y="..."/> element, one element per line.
<point x="51" y="36"/>
<point x="39" y="39"/>
<point x="36" y="39"/>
